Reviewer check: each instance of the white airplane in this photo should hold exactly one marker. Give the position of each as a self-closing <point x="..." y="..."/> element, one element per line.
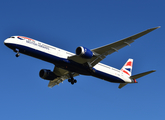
<point x="84" y="62"/>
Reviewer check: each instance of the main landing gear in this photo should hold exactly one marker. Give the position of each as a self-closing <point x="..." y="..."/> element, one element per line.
<point x="72" y="81"/>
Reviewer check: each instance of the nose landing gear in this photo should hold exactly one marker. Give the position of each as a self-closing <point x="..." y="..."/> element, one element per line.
<point x="17" y="55"/>
<point x="17" y="51"/>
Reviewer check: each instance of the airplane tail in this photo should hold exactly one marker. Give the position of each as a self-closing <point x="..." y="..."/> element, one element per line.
<point x="127" y="68"/>
<point x="141" y="74"/>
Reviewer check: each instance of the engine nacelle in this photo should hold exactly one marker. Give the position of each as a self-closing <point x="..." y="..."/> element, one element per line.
<point x="47" y="74"/>
<point x="84" y="52"/>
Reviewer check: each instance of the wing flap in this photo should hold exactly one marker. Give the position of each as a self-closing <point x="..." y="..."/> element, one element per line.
<point x="57" y="81"/>
<point x="59" y="71"/>
<point x="60" y="79"/>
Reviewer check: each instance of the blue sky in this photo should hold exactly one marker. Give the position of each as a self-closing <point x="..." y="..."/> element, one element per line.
<point x="68" y="24"/>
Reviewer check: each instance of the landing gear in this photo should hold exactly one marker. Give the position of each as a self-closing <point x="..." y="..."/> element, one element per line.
<point x="17" y="55"/>
<point x="17" y="51"/>
<point x="72" y="81"/>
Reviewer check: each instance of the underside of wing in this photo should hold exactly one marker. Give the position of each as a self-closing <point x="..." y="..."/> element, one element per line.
<point x="79" y="59"/>
<point x="114" y="47"/>
<point x="63" y="75"/>
<point x="101" y="52"/>
<point x="60" y="79"/>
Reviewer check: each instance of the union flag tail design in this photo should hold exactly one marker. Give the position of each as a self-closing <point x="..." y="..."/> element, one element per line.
<point x="127" y="68"/>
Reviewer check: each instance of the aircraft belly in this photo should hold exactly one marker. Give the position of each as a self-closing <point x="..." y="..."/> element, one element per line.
<point x="74" y="67"/>
<point x="107" y="77"/>
<point x="60" y="62"/>
<point x="35" y="53"/>
<point x="64" y="63"/>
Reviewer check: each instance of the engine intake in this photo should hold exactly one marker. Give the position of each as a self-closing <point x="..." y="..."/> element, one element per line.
<point x="84" y="52"/>
<point x="47" y="74"/>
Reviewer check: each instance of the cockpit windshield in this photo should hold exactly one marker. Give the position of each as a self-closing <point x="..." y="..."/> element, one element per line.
<point x="12" y="37"/>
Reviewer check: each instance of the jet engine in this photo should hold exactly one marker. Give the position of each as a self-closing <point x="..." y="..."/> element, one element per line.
<point x="84" y="52"/>
<point x="47" y="74"/>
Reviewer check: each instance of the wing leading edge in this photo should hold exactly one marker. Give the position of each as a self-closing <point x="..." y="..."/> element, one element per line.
<point x="102" y="52"/>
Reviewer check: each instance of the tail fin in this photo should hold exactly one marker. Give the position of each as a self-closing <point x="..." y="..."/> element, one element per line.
<point x="127" y="68"/>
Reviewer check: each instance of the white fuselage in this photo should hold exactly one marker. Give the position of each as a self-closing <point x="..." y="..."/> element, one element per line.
<point x="29" y="46"/>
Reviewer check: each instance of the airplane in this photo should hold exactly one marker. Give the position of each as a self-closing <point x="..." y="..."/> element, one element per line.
<point x="85" y="62"/>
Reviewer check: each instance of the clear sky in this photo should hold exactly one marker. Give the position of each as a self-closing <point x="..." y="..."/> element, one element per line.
<point x="68" y="24"/>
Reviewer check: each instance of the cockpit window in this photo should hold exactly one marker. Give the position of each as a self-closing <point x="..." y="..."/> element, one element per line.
<point x="12" y="37"/>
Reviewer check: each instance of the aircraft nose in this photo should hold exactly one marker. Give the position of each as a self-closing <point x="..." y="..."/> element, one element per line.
<point x="6" y="41"/>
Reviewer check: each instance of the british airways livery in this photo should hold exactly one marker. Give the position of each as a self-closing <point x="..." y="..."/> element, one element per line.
<point x="84" y="62"/>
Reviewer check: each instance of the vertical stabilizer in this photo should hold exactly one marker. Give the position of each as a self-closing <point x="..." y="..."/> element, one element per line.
<point x="127" y="68"/>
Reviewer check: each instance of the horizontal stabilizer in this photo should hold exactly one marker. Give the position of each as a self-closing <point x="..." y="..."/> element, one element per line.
<point x="141" y="74"/>
<point x="122" y="85"/>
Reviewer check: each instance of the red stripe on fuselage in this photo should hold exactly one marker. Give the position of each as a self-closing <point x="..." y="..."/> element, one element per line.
<point x="26" y="38"/>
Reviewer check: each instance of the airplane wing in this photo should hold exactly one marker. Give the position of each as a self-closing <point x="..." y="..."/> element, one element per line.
<point x="64" y="74"/>
<point x="101" y="52"/>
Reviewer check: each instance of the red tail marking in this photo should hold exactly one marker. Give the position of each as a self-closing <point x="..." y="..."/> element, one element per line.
<point x="126" y="72"/>
<point x="129" y="63"/>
